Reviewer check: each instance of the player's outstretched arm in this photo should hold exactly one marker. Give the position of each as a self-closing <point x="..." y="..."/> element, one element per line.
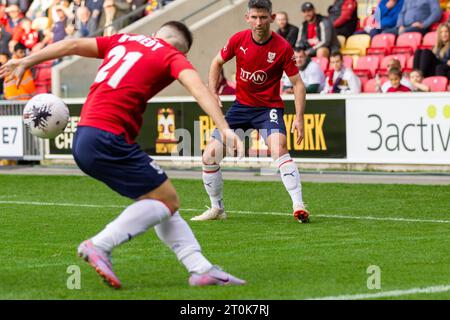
<point x="86" y="47"/>
<point x="214" y="76"/>
<point x="192" y="82"/>
<point x="300" y="104"/>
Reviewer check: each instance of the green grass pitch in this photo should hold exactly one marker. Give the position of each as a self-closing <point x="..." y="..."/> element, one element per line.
<point x="280" y="258"/>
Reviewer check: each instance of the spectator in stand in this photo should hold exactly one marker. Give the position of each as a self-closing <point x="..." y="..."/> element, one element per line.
<point x="344" y="16"/>
<point x="310" y="72"/>
<point x="25" y="35"/>
<point x="73" y="8"/>
<point x="417" y="16"/>
<point x="71" y="32"/>
<point x="96" y="8"/>
<point x="393" y="64"/>
<point x="137" y="4"/>
<point x="340" y="78"/>
<point x="395" y="77"/>
<point x="85" y="24"/>
<point x="4" y="57"/>
<point x="226" y="87"/>
<point x="386" y="16"/>
<point x="13" y="20"/>
<point x="416" y="78"/>
<point x="317" y="33"/>
<point x="286" y="30"/>
<point x="436" y="61"/>
<point x="38" y="8"/>
<point x="108" y="16"/>
<point x="26" y="89"/>
<point x="59" y="27"/>
<point x="5" y="37"/>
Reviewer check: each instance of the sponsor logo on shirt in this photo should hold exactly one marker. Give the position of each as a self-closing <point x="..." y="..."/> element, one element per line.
<point x="243" y="50"/>
<point x="258" y="77"/>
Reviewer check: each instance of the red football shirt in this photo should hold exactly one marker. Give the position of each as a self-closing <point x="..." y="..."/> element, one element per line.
<point x="135" y="68"/>
<point x="400" y="88"/>
<point x="259" y="68"/>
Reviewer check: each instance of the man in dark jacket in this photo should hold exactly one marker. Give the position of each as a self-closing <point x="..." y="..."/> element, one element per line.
<point x="317" y="34"/>
<point x="344" y="16"/>
<point x="286" y="30"/>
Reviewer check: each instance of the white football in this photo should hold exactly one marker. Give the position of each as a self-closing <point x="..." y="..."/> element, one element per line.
<point x="46" y="115"/>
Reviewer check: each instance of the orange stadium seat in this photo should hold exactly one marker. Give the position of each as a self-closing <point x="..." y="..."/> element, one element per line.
<point x="356" y="44"/>
<point x="436" y="83"/>
<point x="381" y="44"/>
<point x="322" y="62"/>
<point x="342" y="40"/>
<point x="407" y="42"/>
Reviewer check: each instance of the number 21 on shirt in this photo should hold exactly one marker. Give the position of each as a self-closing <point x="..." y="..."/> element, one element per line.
<point x="126" y="60"/>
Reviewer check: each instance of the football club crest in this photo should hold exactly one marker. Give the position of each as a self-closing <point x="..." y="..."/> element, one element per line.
<point x="271" y="57"/>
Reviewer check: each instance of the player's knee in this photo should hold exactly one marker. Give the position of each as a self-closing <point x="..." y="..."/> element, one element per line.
<point x="173" y="202"/>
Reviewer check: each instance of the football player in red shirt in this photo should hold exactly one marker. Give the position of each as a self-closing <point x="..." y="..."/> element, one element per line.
<point x="261" y="57"/>
<point x="134" y="69"/>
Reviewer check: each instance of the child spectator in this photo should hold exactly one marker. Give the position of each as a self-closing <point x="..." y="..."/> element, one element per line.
<point x="416" y="78"/>
<point x="395" y="76"/>
<point x="26" y="89"/>
<point x="26" y="35"/>
<point x="394" y="63"/>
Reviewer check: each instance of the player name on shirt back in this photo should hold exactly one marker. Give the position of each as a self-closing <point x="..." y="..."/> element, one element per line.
<point x="145" y="41"/>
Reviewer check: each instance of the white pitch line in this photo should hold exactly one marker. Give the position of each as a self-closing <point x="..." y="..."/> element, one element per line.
<point x="387" y="294"/>
<point x="331" y="216"/>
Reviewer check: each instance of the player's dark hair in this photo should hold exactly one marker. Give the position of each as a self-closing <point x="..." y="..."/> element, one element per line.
<point x="183" y="29"/>
<point x="260" y="4"/>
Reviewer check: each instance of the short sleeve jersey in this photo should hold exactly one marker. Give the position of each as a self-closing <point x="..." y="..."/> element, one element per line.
<point x="135" y="68"/>
<point x="259" y="68"/>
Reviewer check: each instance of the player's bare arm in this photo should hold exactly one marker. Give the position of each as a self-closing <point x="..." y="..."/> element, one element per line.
<point x="300" y="104"/>
<point x="86" y="47"/>
<point x="214" y="76"/>
<point x="192" y="82"/>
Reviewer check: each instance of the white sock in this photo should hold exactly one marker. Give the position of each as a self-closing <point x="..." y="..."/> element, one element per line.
<point x="134" y="220"/>
<point x="213" y="182"/>
<point x="291" y="179"/>
<point x="178" y="236"/>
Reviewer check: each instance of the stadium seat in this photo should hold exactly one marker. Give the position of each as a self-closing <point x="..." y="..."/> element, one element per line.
<point x="348" y="62"/>
<point x="367" y="66"/>
<point x="371" y="84"/>
<point x="363" y="80"/>
<point x="381" y="44"/>
<point x="436" y="83"/>
<point x="407" y="42"/>
<point x="322" y="62"/>
<point x="356" y="44"/>
<point x="384" y="62"/>
<point x="429" y="40"/>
